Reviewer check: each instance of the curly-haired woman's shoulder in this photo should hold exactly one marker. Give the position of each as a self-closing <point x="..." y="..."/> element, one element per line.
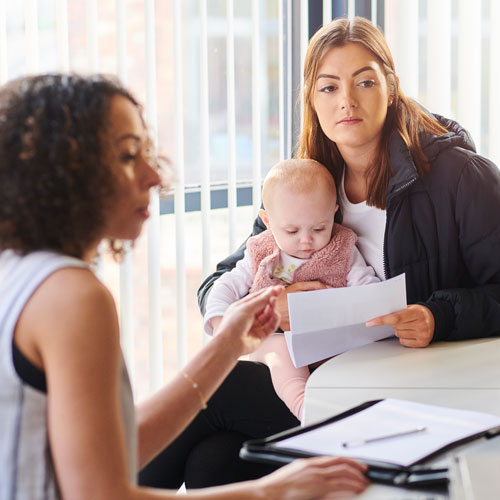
<point x="72" y="304"/>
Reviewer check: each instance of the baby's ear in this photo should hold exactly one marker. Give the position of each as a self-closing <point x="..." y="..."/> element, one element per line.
<point x="264" y="217"/>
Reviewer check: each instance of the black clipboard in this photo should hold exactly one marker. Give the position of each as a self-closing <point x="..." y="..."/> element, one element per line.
<point x="417" y="475"/>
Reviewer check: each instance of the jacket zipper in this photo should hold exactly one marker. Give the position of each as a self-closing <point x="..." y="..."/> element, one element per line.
<point x="405" y="185"/>
<point x="384" y="252"/>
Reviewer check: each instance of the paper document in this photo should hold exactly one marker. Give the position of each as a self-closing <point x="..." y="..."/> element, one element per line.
<point x="443" y="426"/>
<point x="324" y="323"/>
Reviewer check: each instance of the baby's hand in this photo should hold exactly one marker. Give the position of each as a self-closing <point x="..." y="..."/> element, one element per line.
<point x="282" y="301"/>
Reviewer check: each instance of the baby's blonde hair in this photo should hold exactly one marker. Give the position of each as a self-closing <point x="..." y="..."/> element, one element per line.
<point x="299" y="176"/>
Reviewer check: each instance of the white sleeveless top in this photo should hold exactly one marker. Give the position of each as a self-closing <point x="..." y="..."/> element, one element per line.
<point x="26" y="468"/>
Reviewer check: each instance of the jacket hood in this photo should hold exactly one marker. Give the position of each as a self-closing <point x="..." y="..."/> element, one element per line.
<point x="404" y="168"/>
<point x="456" y="136"/>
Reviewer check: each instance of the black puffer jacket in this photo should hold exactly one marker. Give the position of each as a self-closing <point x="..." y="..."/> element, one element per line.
<point x="442" y="230"/>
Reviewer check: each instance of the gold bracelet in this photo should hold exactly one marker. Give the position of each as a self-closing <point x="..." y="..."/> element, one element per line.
<point x="196" y="387"/>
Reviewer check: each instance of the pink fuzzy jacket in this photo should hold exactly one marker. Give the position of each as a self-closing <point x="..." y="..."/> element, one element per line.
<point x="330" y="265"/>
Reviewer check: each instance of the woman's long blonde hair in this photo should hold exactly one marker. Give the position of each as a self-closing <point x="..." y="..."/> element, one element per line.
<point x="403" y="114"/>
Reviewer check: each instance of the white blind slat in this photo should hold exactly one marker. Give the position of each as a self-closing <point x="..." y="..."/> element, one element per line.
<point x="180" y="261"/>
<point x="304" y="41"/>
<point x="204" y="140"/>
<point x="494" y="95"/>
<point x="401" y="32"/>
<point x="231" y="126"/>
<point x="374" y="4"/>
<point x="351" y="8"/>
<point x="285" y="78"/>
<point x="3" y="45"/>
<point x="154" y="283"/>
<point x="121" y="40"/>
<point x="281" y="73"/>
<point x="438" y="95"/>
<point x="62" y="36"/>
<point x="92" y="36"/>
<point x="288" y="89"/>
<point x="327" y="11"/>
<point x="31" y="33"/>
<point x="469" y="68"/>
<point x="256" y="104"/>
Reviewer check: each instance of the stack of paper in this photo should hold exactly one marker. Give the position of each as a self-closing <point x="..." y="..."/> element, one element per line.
<point x="324" y="323"/>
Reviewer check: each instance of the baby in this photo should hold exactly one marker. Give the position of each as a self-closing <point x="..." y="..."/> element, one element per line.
<point x="301" y="243"/>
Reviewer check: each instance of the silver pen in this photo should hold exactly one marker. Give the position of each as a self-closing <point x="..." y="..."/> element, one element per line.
<point x="349" y="444"/>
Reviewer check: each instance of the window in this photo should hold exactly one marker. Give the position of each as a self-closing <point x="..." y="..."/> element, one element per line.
<point x="446" y="54"/>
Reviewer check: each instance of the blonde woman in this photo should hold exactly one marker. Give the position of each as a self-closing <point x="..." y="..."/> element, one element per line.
<point x="420" y="200"/>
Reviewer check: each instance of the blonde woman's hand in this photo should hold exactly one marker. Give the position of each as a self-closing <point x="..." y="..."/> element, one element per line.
<point x="251" y="319"/>
<point x="318" y="478"/>
<point x="414" y="326"/>
<point x="282" y="302"/>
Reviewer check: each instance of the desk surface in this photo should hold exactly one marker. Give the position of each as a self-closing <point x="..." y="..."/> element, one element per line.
<point x="462" y="375"/>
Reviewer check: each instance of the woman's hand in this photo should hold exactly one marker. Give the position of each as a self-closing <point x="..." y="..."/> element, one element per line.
<point x="282" y="302"/>
<point x="315" y="478"/>
<point x="414" y="326"/>
<point x="251" y="319"/>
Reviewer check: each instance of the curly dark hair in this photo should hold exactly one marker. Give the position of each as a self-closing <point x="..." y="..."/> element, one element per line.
<point x="54" y="174"/>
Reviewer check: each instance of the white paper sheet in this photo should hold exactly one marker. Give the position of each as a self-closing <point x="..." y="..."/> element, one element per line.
<point x="443" y="426"/>
<point x="324" y="323"/>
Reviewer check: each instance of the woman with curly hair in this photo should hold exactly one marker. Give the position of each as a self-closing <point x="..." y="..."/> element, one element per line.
<point x="76" y="167"/>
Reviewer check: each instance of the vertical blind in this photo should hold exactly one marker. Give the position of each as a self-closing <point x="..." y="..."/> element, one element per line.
<point x="180" y="264"/>
<point x="446" y="55"/>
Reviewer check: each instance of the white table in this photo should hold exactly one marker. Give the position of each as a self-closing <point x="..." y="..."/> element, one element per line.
<point x="462" y="375"/>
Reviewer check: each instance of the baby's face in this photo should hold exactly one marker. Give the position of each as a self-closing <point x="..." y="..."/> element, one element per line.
<point x="301" y="223"/>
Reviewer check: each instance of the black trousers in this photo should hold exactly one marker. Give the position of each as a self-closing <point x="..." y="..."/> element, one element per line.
<point x="207" y="452"/>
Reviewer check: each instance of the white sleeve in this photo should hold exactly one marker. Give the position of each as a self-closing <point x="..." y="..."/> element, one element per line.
<point x="229" y="288"/>
<point x="360" y="273"/>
